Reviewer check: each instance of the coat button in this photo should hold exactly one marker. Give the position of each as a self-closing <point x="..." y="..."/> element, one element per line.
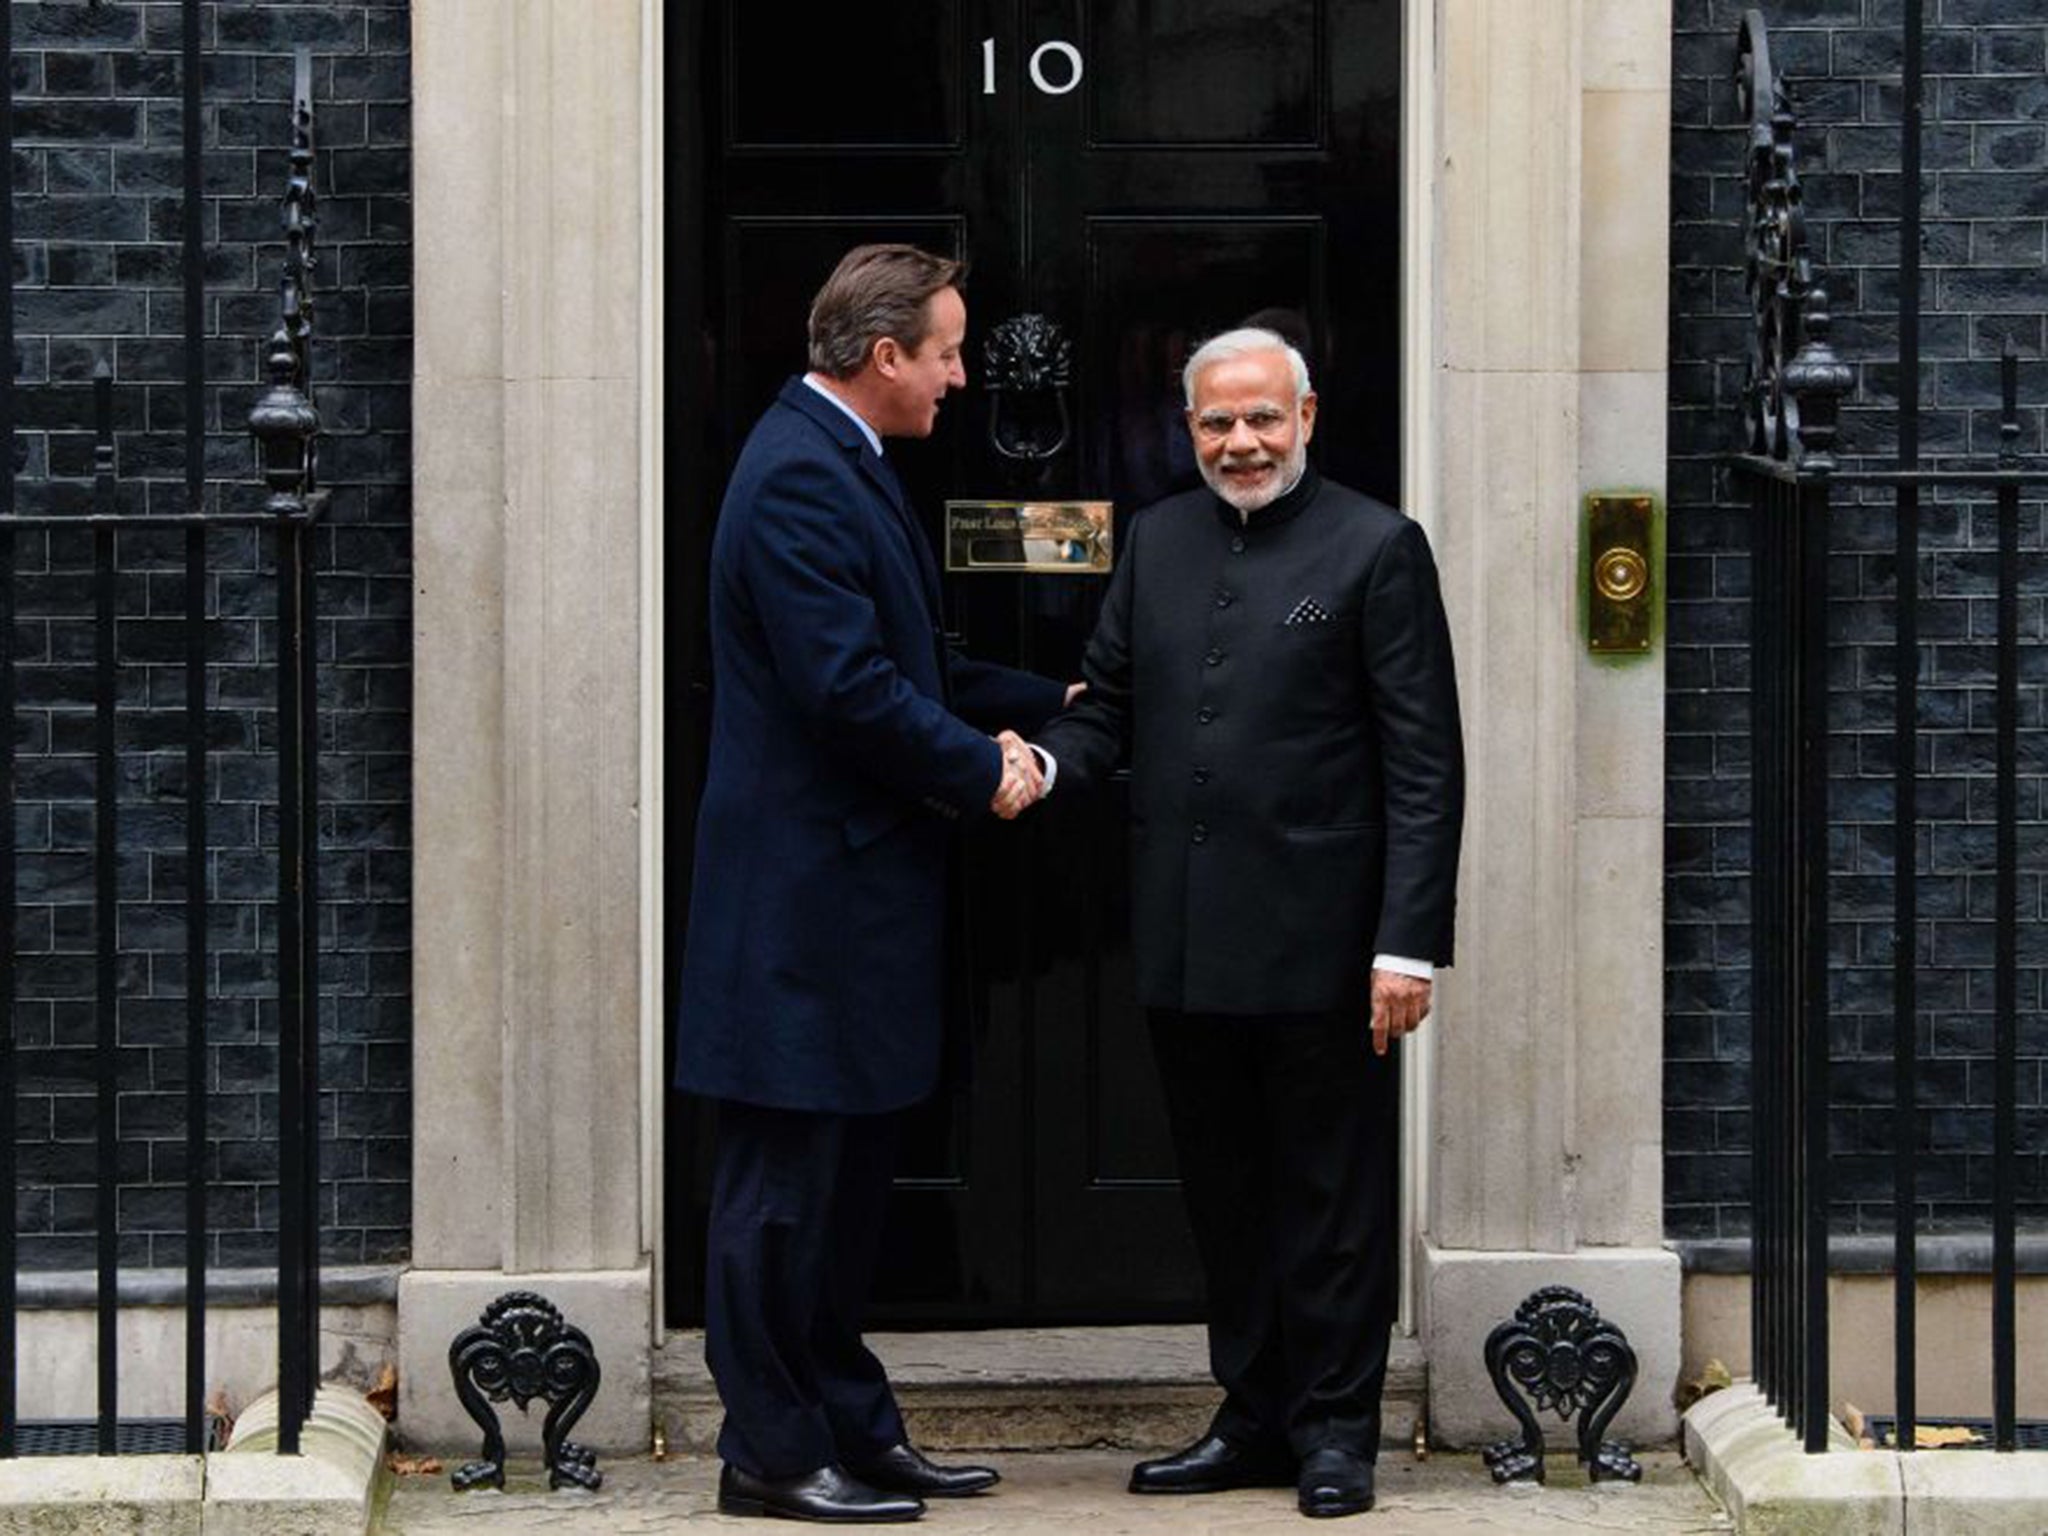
<point x="1201" y="832"/>
<point x="1201" y="775"/>
<point x="1237" y="546"/>
<point x="1205" y="714"/>
<point x="1222" y="599"/>
<point x="1214" y="658"/>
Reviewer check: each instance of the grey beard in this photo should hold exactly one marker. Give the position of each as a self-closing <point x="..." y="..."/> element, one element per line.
<point x="1247" y="503"/>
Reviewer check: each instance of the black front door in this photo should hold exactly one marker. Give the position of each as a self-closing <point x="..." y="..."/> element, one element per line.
<point x="1143" y="173"/>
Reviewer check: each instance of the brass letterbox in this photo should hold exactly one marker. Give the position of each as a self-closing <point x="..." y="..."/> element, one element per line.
<point x="1043" y="538"/>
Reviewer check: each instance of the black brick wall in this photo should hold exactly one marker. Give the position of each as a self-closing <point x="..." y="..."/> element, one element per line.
<point x="96" y="184"/>
<point x="1985" y="189"/>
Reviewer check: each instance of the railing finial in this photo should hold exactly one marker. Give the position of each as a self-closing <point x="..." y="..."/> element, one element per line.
<point x="1816" y="379"/>
<point x="1791" y="394"/>
<point x="285" y="421"/>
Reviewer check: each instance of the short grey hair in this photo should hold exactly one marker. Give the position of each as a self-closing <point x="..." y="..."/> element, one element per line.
<point x="1241" y="343"/>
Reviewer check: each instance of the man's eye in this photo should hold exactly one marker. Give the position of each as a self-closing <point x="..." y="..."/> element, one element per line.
<point x="1263" y="421"/>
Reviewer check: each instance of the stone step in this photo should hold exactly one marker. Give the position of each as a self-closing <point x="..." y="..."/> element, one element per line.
<point x="1029" y="1389"/>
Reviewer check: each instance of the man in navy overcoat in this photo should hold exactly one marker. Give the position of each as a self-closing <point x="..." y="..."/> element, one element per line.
<point x="846" y="741"/>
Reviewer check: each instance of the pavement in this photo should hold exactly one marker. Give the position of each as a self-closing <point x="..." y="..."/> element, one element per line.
<point x="1081" y="1491"/>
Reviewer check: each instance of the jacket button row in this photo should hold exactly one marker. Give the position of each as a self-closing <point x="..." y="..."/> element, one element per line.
<point x="1214" y="658"/>
<point x="1222" y="599"/>
<point x="1201" y="832"/>
<point x="1237" y="546"/>
<point x="1205" y="714"/>
<point x="1201" y="775"/>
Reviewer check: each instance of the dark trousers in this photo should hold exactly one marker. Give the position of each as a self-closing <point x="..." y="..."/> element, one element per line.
<point x="797" y="1201"/>
<point x="1284" y="1128"/>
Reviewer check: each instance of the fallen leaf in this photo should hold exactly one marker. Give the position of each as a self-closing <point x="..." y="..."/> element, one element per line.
<point x="1713" y="1377"/>
<point x="1933" y="1437"/>
<point x="217" y="1408"/>
<point x="384" y="1396"/>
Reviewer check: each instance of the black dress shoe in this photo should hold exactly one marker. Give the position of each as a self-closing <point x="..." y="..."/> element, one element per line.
<point x="828" y="1495"/>
<point x="1212" y="1465"/>
<point x="904" y="1469"/>
<point x="1335" y="1481"/>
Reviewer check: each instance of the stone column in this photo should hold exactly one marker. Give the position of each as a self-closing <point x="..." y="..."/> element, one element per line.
<point x="1549" y="355"/>
<point x="527" y="1156"/>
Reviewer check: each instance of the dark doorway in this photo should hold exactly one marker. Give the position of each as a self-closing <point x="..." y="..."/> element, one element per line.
<point x="1214" y="160"/>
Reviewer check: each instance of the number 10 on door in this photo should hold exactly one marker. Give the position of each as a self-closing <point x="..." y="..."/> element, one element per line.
<point x="1061" y="77"/>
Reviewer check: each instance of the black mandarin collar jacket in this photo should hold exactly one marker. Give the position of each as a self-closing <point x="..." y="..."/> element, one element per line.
<point x="1283" y="689"/>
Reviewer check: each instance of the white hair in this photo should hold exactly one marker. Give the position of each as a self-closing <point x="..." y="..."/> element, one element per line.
<point x="1240" y="343"/>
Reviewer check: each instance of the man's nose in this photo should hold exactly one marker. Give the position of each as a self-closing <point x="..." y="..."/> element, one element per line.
<point x="1242" y="438"/>
<point x="956" y="376"/>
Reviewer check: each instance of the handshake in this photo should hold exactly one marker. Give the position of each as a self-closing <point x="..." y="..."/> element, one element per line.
<point x="1023" y="783"/>
<point x="1024" y="780"/>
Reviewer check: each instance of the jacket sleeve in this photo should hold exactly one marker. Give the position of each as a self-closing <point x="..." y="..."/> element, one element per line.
<point x="995" y="698"/>
<point x="810" y="575"/>
<point x="1414" y="694"/>
<point x="1090" y="738"/>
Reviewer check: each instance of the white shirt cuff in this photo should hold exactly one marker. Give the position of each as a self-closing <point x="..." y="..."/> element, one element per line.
<point x="1401" y="965"/>
<point x="1047" y="764"/>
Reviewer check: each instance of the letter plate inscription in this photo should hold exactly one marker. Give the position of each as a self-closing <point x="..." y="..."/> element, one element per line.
<point x="1042" y="538"/>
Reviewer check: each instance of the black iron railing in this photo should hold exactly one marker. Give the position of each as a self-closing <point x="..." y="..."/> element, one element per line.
<point x="1790" y="468"/>
<point x="285" y="425"/>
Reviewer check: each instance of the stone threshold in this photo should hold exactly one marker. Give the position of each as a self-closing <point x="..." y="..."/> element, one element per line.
<point x="1029" y="1389"/>
<point x="329" y="1489"/>
<point x="1754" y="1465"/>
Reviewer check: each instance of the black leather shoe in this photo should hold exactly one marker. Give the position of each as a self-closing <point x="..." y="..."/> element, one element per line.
<point x="1335" y="1481"/>
<point x="828" y="1495"/>
<point x="905" y="1469"/>
<point x="1213" y="1465"/>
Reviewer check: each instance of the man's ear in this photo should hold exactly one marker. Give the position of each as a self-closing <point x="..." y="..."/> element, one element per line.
<point x="886" y="355"/>
<point x="1308" y="416"/>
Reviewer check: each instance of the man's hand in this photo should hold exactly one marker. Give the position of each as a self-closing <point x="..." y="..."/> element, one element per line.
<point x="1399" y="1005"/>
<point x="1022" y="782"/>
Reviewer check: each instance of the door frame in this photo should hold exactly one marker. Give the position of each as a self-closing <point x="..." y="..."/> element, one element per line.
<point x="1419" y="100"/>
<point x="653" y="643"/>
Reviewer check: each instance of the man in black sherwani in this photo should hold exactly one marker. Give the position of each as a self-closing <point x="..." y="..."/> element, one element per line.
<point x="1273" y="656"/>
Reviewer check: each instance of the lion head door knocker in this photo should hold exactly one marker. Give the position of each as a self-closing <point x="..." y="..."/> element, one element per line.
<point x="522" y="1348"/>
<point x="1026" y="365"/>
<point x="1558" y="1353"/>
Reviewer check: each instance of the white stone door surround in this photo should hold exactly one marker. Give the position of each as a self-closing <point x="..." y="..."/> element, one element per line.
<point x="1534" y="231"/>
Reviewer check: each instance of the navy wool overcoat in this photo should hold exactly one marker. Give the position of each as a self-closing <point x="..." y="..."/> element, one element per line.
<point x="847" y="740"/>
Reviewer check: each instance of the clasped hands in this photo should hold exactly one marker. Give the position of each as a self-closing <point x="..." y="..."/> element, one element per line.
<point x="1023" y="783"/>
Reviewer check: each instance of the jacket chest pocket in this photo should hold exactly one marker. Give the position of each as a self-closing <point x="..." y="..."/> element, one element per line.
<point x="1314" y="642"/>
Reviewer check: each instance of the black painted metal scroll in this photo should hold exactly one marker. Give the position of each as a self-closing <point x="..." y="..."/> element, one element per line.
<point x="1557" y="1354"/>
<point x="1792" y="395"/>
<point x="521" y="1349"/>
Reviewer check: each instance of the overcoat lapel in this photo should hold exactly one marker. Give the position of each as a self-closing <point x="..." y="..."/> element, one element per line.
<point x="880" y="473"/>
<point x="883" y="473"/>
